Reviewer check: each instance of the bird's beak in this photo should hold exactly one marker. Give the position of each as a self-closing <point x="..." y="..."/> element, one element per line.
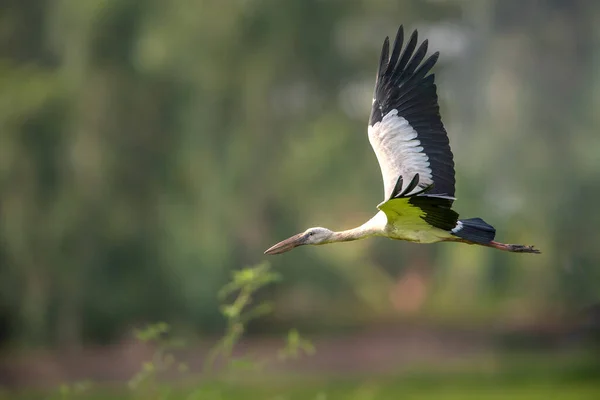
<point x="286" y="245"/>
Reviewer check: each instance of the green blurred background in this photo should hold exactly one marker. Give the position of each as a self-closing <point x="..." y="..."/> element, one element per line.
<point x="150" y="148"/>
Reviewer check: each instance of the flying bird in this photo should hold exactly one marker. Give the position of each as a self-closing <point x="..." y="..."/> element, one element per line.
<point x="412" y="147"/>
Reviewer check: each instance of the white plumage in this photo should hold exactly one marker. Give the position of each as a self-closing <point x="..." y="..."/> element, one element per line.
<point x="458" y="227"/>
<point x="399" y="153"/>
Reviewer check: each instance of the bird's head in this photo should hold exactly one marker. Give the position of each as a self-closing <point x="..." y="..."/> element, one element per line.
<point x="310" y="236"/>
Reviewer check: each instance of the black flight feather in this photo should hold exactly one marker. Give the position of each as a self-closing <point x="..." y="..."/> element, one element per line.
<point x="396" y="51"/>
<point x="413" y="184"/>
<point x="437" y="211"/>
<point x="397" y="188"/>
<point x="410" y="47"/>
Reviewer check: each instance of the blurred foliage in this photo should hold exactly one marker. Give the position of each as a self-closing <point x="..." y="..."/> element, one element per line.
<point x="240" y="311"/>
<point x="147" y="149"/>
<point x="149" y="382"/>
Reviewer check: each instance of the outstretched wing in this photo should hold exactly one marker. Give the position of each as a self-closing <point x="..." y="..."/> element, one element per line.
<point x="405" y="127"/>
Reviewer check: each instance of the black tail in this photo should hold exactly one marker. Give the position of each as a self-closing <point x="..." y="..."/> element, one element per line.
<point x="475" y="230"/>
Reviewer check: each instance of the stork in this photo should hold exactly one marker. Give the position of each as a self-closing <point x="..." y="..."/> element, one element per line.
<point x="412" y="147"/>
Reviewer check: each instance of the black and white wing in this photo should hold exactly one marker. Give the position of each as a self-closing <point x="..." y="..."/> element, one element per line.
<point x="405" y="127"/>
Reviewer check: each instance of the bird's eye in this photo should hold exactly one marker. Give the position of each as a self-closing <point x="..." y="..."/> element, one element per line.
<point x="311" y="233"/>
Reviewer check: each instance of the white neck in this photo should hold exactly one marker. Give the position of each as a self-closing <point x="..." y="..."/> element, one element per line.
<point x="373" y="227"/>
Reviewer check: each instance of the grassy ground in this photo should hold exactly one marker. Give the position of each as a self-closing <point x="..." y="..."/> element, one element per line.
<point x="368" y="390"/>
<point x="528" y="378"/>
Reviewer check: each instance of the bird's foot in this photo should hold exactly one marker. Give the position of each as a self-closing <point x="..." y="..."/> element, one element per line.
<point x="520" y="248"/>
<point x="515" y="248"/>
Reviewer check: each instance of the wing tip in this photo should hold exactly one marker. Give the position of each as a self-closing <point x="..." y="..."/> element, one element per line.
<point x="384" y="57"/>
